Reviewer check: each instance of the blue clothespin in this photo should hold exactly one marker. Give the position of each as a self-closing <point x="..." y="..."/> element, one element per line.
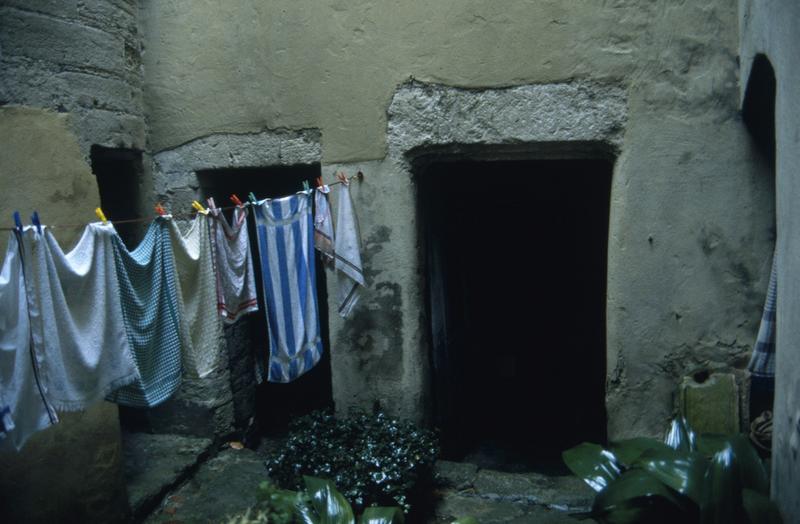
<point x="252" y="198"/>
<point x="17" y="221"/>
<point x="35" y="221"/>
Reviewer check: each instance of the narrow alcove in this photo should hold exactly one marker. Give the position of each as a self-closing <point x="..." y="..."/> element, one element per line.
<point x="758" y="113"/>
<point x="515" y="257"/>
<point x="271" y="406"/>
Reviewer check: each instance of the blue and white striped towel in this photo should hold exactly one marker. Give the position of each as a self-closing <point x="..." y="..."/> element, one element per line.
<point x="762" y="362"/>
<point x="286" y="251"/>
<point x="150" y="309"/>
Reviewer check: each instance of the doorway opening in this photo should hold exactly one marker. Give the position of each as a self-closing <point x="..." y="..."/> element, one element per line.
<point x="515" y="255"/>
<point x="119" y="176"/>
<point x="267" y="408"/>
<point x="758" y="113"/>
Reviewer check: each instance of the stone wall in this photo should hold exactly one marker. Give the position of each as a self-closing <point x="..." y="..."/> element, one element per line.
<point x="771" y="29"/>
<point x="691" y="219"/>
<point x="70" y="77"/>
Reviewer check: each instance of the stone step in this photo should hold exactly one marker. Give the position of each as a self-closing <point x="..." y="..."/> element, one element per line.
<point x="156" y="464"/>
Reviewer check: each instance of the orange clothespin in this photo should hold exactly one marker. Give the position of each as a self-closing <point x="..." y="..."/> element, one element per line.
<point x="235" y="200"/>
<point x="160" y="209"/>
<point x="101" y="215"/>
<point x="199" y="207"/>
<point x="319" y="181"/>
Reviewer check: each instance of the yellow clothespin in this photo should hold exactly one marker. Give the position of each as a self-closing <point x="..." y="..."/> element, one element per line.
<point x="100" y="215"/>
<point x="199" y="207"/>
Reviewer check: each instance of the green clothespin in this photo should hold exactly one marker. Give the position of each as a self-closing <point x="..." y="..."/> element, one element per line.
<point x="252" y="198"/>
<point x="305" y="186"/>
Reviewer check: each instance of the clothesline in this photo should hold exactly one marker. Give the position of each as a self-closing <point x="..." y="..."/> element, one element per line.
<point x="359" y="176"/>
<point x="101" y="321"/>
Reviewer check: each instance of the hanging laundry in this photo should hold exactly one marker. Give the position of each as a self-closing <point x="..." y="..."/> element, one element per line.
<point x="149" y="293"/>
<point x="286" y="252"/>
<point x="323" y="224"/>
<point x="350" y="275"/>
<point x="78" y="334"/>
<point x="23" y="407"/>
<point x="762" y="362"/>
<point x="233" y="264"/>
<point x="202" y="327"/>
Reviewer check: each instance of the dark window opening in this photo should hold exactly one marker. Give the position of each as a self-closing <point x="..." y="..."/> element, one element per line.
<point x="516" y="256"/>
<point x="275" y="404"/>
<point x="758" y="113"/>
<point x="119" y="175"/>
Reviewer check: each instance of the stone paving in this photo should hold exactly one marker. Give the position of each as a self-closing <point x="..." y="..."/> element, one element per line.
<point x="225" y="485"/>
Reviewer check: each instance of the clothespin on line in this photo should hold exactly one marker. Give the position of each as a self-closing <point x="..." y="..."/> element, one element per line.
<point x="253" y="199"/>
<point x="17" y="221"/>
<point x="342" y="178"/>
<point x="101" y="215"/>
<point x="319" y="181"/>
<point x="36" y="222"/>
<point x="199" y="207"/>
<point x="160" y="209"/>
<point x="305" y="186"/>
<point x="236" y="201"/>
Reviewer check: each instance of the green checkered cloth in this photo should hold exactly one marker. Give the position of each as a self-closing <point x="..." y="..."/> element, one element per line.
<point x="150" y="309"/>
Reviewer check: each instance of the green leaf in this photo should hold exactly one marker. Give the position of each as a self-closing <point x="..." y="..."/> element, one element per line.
<point x="636" y="496"/>
<point x="709" y="444"/>
<point x="722" y="501"/>
<point x="382" y="515"/>
<point x="627" y="451"/>
<point x="329" y="506"/>
<point x="681" y="436"/>
<point x="595" y="465"/>
<point x="633" y="484"/>
<point x="752" y="473"/>
<point x="682" y="471"/>
<point x="759" y="508"/>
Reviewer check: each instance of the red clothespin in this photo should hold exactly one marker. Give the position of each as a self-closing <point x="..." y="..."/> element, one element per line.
<point x="319" y="181"/>
<point x="235" y="200"/>
<point x="160" y="209"/>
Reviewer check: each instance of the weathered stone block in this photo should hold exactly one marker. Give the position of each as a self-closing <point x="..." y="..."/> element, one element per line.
<point x="23" y="33"/>
<point x="156" y="463"/>
<point x="711" y="403"/>
<point x="108" y="15"/>
<point x="59" y="8"/>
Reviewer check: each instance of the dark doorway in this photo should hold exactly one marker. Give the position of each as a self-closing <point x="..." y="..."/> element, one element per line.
<point x="119" y="176"/>
<point x="515" y="256"/>
<point x="275" y="404"/>
<point x="758" y="113"/>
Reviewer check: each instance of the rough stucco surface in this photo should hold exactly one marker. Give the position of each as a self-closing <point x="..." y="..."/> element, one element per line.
<point x="71" y="471"/>
<point x="42" y="169"/>
<point x="334" y="65"/>
<point x="653" y="83"/>
<point x="771" y="28"/>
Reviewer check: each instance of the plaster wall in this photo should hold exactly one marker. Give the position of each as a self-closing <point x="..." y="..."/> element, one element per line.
<point x="70" y="77"/>
<point x="770" y="28"/>
<point x="691" y="219"/>
<point x="70" y="471"/>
